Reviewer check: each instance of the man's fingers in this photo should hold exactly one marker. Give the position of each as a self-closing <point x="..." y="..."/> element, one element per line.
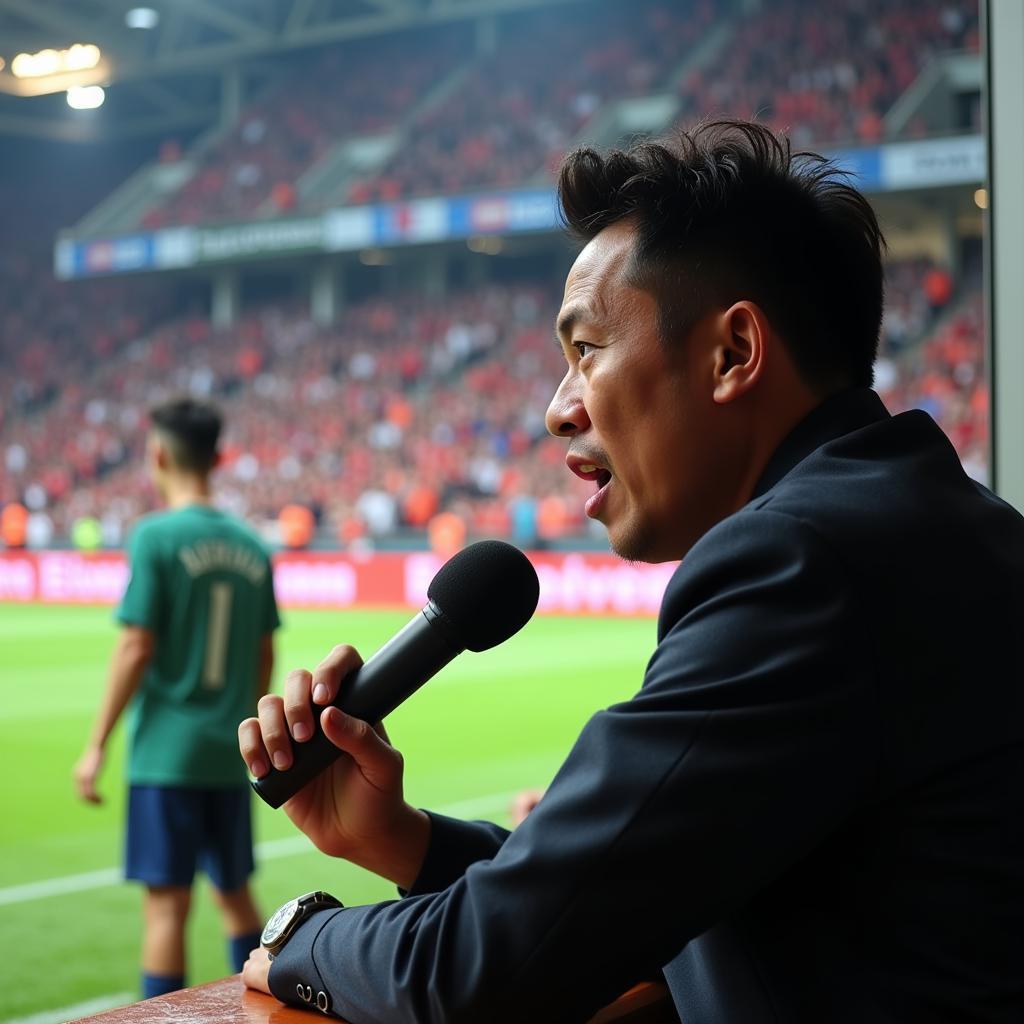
<point x="256" y="971"/>
<point x="274" y="731"/>
<point x="250" y="745"/>
<point x="327" y="678"/>
<point x="379" y="762"/>
<point x="297" y="712"/>
<point x="267" y="739"/>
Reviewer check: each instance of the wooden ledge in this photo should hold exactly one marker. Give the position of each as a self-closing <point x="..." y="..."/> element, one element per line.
<point x="228" y="1001"/>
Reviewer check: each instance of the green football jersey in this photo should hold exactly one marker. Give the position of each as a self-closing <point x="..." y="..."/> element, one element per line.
<point x="202" y="582"/>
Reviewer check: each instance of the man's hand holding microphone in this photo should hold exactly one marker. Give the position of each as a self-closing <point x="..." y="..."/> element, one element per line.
<point x="314" y="750"/>
<point x="355" y="808"/>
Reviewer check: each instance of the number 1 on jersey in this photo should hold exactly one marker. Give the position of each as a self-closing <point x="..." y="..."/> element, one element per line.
<point x="215" y="661"/>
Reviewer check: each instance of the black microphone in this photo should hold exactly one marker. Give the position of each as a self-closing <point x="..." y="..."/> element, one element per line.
<point x="478" y="599"/>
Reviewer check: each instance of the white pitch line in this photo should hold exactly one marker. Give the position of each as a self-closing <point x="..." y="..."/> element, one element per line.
<point x="59" y="886"/>
<point x="270" y="849"/>
<point x="86" y="1009"/>
<point x="478" y="805"/>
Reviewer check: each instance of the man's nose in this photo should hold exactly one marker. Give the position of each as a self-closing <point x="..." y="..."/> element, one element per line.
<point x="566" y="415"/>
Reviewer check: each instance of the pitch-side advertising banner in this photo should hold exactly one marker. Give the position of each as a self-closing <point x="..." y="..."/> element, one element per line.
<point x="584" y="583"/>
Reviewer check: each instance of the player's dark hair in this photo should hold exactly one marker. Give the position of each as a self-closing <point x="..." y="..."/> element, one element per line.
<point x="191" y="430"/>
<point x="725" y="211"/>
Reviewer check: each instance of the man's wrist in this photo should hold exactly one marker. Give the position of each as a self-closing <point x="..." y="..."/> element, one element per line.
<point x="400" y="856"/>
<point x="415" y="843"/>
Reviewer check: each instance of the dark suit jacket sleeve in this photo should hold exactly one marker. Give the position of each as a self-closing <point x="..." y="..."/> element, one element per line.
<point x="454" y="845"/>
<point x="753" y="738"/>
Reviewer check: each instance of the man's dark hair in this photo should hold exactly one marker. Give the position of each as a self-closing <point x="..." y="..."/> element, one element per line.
<point x="191" y="430"/>
<point x="725" y="211"/>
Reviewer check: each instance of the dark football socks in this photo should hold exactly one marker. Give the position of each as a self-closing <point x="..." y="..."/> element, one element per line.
<point x="161" y="984"/>
<point x="239" y="948"/>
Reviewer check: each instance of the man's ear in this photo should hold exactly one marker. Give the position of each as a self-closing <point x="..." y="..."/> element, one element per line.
<point x="744" y="338"/>
<point x="160" y="455"/>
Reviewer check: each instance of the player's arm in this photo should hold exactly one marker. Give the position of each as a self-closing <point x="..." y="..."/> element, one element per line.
<point x="132" y="653"/>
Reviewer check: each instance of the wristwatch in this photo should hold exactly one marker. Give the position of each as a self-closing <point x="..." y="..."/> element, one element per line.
<point x="287" y="918"/>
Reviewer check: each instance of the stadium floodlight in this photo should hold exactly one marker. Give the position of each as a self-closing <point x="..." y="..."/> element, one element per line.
<point x="86" y="97"/>
<point x="142" y="17"/>
<point x="52" y="70"/>
<point x="80" y="57"/>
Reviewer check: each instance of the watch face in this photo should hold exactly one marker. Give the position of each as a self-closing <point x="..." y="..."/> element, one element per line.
<point x="277" y="924"/>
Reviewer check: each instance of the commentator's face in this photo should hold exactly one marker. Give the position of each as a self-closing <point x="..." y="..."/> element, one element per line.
<point x="638" y="414"/>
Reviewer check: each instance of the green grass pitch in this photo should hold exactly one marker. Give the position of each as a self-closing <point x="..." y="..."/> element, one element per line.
<point x="488" y="725"/>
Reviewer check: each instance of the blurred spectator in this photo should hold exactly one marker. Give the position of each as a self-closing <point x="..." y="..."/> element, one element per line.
<point x="446" y="533"/>
<point x="14" y="524"/>
<point x="297" y="525"/>
<point x="938" y="287"/>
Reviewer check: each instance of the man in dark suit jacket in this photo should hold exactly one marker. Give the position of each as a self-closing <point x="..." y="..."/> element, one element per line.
<point x="813" y="809"/>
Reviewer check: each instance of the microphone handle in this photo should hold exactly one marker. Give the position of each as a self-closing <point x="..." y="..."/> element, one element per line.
<point x="418" y="651"/>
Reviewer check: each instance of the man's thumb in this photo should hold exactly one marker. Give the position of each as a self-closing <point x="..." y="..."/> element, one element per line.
<point x="375" y="758"/>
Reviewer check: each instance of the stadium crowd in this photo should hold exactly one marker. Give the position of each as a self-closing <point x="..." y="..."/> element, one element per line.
<point x="407" y="408"/>
<point x="845" y="65"/>
<point x="282" y="134"/>
<point x="53" y="332"/>
<point x="515" y="111"/>
<point x="519" y="110"/>
<point x="946" y="377"/>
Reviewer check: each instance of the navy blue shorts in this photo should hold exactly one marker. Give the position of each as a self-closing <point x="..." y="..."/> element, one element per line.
<point x="172" y="830"/>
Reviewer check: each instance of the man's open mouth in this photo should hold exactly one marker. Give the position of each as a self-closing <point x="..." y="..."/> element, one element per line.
<point x="588" y="471"/>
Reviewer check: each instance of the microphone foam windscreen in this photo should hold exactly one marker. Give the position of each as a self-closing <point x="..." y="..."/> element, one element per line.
<point x="487" y="592"/>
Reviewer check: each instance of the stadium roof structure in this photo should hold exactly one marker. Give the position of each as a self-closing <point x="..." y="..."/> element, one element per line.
<point x="170" y="75"/>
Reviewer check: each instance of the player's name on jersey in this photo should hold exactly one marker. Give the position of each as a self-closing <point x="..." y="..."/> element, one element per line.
<point x="217" y="555"/>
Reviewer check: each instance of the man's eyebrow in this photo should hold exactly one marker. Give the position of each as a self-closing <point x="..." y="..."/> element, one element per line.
<point x="567" y="318"/>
